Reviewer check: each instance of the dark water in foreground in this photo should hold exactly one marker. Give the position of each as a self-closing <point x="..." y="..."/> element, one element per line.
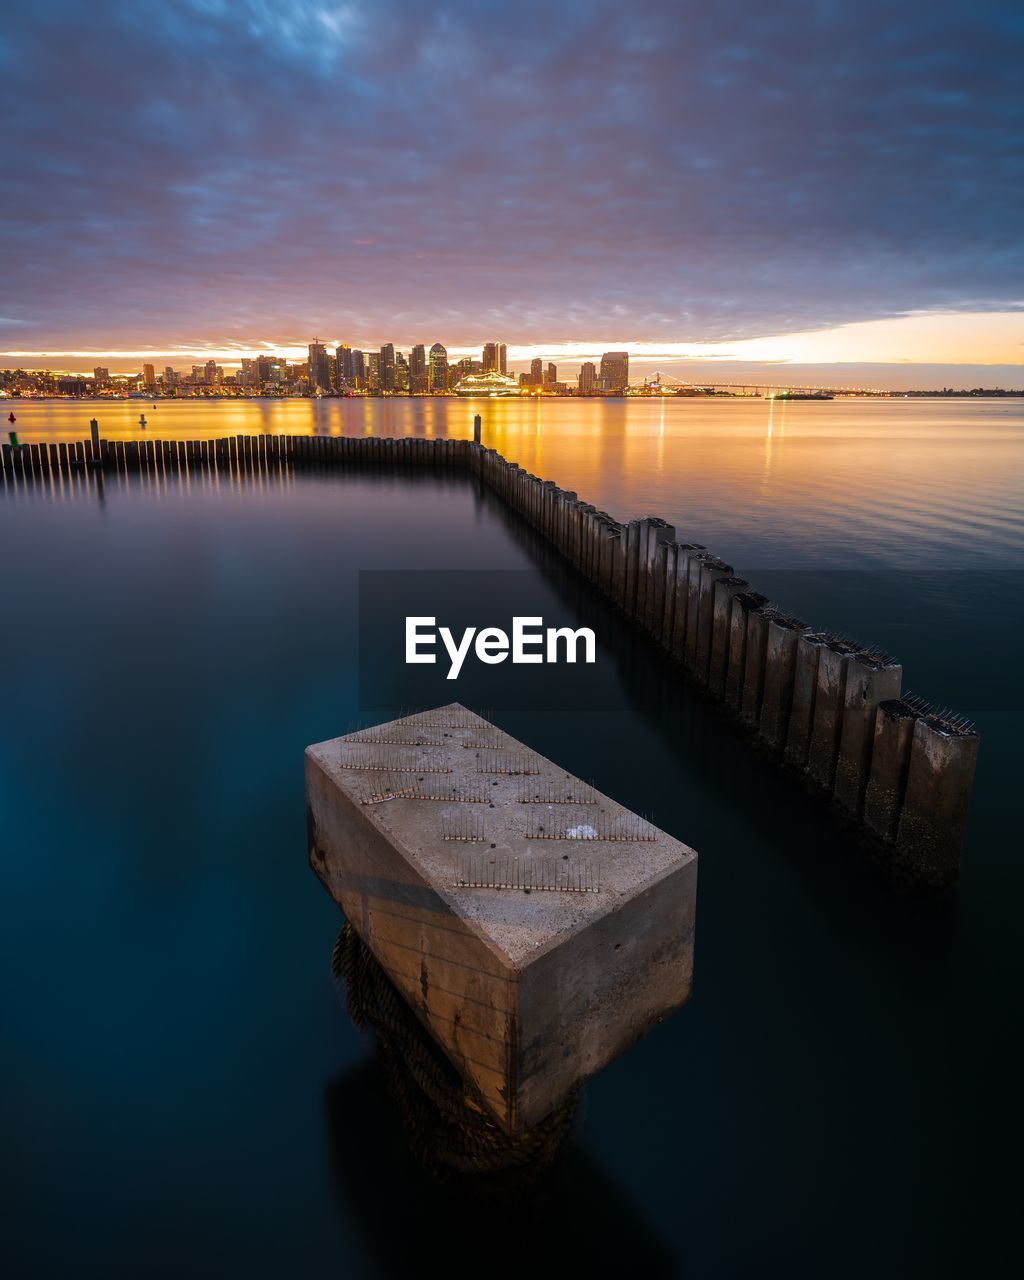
<point x="183" y="1094"/>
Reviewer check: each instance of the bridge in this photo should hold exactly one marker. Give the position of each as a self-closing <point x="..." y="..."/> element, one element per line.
<point x="665" y="384"/>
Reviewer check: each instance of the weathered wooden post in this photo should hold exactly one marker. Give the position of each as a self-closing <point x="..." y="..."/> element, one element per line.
<point x="477" y="429"/>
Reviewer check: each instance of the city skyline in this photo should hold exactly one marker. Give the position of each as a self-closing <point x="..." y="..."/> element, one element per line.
<point x="803" y="358"/>
<point x="811" y="186"/>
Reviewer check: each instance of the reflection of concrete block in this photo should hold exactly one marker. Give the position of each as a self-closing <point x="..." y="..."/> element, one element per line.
<point x="528" y="989"/>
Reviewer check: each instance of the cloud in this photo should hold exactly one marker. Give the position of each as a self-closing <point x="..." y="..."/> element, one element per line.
<point x="188" y="172"/>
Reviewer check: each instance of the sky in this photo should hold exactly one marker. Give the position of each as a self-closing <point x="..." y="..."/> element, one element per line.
<point x="731" y="186"/>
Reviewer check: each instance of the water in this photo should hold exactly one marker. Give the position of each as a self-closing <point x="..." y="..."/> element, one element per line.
<point x="901" y="483"/>
<point x="183" y="1093"/>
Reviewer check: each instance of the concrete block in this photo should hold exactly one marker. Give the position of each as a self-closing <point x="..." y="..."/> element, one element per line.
<point x="890" y="763"/>
<point x="805" y="683"/>
<point x="829" y="701"/>
<point x="650" y="604"/>
<point x="668" y="608"/>
<point x="870" y="680"/>
<point x="721" y="618"/>
<point x="779" y="679"/>
<point x="735" y="674"/>
<point x="634" y="530"/>
<point x="685" y="551"/>
<point x="527" y="983"/>
<point x="934" y="814"/>
<point x="754" y="660"/>
<point x="711" y="571"/>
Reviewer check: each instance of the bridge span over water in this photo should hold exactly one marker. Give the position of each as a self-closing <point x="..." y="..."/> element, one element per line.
<point x="665" y="384"/>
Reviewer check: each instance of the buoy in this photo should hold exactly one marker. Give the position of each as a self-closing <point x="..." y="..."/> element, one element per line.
<point x="11" y="417"/>
<point x="142" y="420"/>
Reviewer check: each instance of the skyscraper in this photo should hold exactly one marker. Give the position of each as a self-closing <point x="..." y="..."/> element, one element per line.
<point x="319" y="367"/>
<point x="373" y="371"/>
<point x="615" y="372"/>
<point x="387" y="367"/>
<point x="358" y="368"/>
<point x="418" y="381"/>
<point x="438" y="369"/>
<point x="536" y="372"/>
<point x="550" y="375"/>
<point x="587" y="379"/>
<point x="148" y="375"/>
<point x="495" y="357"/>
<point x="343" y="365"/>
<point x="101" y="376"/>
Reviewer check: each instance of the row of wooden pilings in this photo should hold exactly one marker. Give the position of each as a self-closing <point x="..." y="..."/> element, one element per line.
<point x="241" y="452"/>
<point x="828" y="708"/>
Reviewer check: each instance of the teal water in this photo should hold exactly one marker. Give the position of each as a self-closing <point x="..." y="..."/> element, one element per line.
<point x="182" y="1092"/>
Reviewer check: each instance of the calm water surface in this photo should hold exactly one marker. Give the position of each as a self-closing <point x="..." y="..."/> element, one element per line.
<point x="182" y="1092"/>
<point x="903" y="483"/>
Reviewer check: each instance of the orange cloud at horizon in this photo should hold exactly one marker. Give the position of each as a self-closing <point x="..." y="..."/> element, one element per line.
<point x="935" y="338"/>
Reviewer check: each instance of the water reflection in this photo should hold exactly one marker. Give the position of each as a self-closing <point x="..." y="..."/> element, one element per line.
<point x="574" y="1221"/>
<point x="859" y="482"/>
<point x="844" y="1071"/>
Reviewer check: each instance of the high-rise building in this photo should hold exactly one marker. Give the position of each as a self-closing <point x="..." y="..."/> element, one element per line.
<point x="550" y="375"/>
<point x="343" y="365"/>
<point x="495" y="358"/>
<point x="387" y="367"/>
<point x="373" y="371"/>
<point x="319" y="367"/>
<point x="101" y="376"/>
<point x="587" y="380"/>
<point x="615" y="372"/>
<point x="148" y="375"/>
<point x="211" y="374"/>
<point x="401" y="373"/>
<point x="438" y="369"/>
<point x="536" y="372"/>
<point x="418" y="379"/>
<point x="170" y="377"/>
